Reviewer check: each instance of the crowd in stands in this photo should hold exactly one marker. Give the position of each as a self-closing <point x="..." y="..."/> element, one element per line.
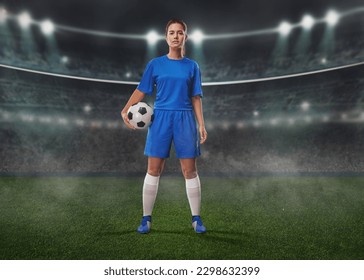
<point x="314" y="149"/>
<point x="334" y="145"/>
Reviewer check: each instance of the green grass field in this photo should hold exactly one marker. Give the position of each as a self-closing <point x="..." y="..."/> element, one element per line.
<point x="247" y="218"/>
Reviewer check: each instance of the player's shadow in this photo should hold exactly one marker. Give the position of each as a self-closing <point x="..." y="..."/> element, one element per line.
<point x="225" y="232"/>
<point x="163" y="231"/>
<point x="117" y="233"/>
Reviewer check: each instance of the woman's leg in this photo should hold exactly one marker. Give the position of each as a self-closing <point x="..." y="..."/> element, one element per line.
<point x="150" y="190"/>
<point x="193" y="186"/>
<point x="151" y="182"/>
<point x="193" y="190"/>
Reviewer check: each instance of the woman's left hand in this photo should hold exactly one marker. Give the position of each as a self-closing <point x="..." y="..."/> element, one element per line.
<point x="203" y="135"/>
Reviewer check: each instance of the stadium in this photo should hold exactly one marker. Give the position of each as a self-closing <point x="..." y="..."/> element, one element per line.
<point x="282" y="170"/>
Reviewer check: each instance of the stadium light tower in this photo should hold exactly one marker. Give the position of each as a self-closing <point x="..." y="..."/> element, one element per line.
<point x="307" y="22"/>
<point x="47" y="27"/>
<point x="332" y="18"/>
<point x="24" y="20"/>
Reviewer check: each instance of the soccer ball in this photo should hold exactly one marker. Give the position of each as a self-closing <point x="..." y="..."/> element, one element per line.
<point x="140" y="115"/>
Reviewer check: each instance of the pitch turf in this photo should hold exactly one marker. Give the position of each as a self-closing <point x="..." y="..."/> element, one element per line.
<point x="246" y="218"/>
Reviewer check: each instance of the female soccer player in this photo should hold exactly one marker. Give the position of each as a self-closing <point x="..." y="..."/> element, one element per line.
<point x="177" y="107"/>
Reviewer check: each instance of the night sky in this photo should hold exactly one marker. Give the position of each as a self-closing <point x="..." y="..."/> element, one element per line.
<point x="139" y="16"/>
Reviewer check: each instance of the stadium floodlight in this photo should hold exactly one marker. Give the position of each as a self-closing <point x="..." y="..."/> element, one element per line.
<point x="62" y="121"/>
<point x="47" y="27"/>
<point x="79" y="122"/>
<point x="325" y="118"/>
<point x="152" y="37"/>
<point x="332" y="18"/>
<point x="87" y="108"/>
<point x="240" y="125"/>
<point x="112" y="125"/>
<point x="3" y="15"/>
<point x="27" y="117"/>
<point x="45" y="119"/>
<point x="284" y="28"/>
<point x="305" y="106"/>
<point x="308" y="119"/>
<point x="274" y="121"/>
<point x="197" y="36"/>
<point x="307" y="22"/>
<point x="24" y="19"/>
<point x="65" y="59"/>
<point x="225" y="125"/>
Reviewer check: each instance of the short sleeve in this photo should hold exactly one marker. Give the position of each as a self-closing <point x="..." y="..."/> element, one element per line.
<point x="147" y="82"/>
<point x="197" y="86"/>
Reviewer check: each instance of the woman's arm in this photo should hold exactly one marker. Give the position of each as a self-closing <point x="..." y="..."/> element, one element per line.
<point x="136" y="97"/>
<point x="197" y="108"/>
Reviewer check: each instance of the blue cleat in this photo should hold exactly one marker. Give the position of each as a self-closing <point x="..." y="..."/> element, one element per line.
<point x="145" y="225"/>
<point x="198" y="225"/>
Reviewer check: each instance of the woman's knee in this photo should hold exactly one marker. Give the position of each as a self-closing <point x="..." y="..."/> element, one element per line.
<point x="189" y="169"/>
<point x="189" y="174"/>
<point x="155" y="171"/>
<point x="155" y="166"/>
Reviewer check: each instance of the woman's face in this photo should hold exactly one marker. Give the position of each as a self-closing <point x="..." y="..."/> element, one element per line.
<point x="176" y="36"/>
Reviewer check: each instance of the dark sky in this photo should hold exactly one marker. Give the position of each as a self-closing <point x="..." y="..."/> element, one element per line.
<point x="139" y="16"/>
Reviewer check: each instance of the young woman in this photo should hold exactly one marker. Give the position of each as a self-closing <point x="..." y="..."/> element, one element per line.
<point x="177" y="107"/>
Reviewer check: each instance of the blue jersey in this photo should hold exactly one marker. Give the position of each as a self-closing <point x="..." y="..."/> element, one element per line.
<point x="176" y="81"/>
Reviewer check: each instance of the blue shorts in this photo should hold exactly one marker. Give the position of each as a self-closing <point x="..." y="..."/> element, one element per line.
<point x="178" y="127"/>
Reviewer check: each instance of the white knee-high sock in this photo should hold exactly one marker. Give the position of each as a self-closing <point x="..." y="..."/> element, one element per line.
<point x="193" y="189"/>
<point x="150" y="190"/>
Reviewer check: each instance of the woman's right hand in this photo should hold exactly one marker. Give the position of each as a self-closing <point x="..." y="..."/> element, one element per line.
<point x="124" y="116"/>
<point x="136" y="97"/>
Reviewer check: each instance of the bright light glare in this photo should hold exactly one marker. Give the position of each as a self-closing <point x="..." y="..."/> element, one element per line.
<point x="87" y="108"/>
<point x="65" y="59"/>
<point x="47" y="27"/>
<point x="197" y="36"/>
<point x="305" y="106"/>
<point x="307" y="22"/>
<point x="284" y="28"/>
<point x="152" y="37"/>
<point x="332" y="18"/>
<point x="3" y="15"/>
<point x="24" y="19"/>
